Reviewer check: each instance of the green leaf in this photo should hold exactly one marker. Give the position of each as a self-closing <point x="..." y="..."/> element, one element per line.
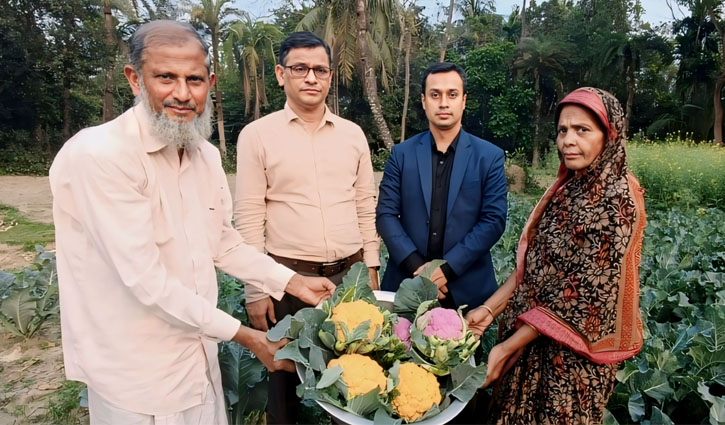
<point x="357" y="276"/>
<point x="659" y="418"/>
<point x="383" y="418"/>
<point x="636" y="406"/>
<point x="430" y="413"/>
<point x="466" y="380"/>
<point x="428" y="270"/>
<point x="280" y="330"/>
<point x="628" y="370"/>
<point x="329" y="377"/>
<point x="19" y="307"/>
<point x="657" y="387"/>
<point x="364" y="405"/>
<point x="717" y="410"/>
<point x="6" y="281"/>
<point x="317" y="359"/>
<point x="292" y="352"/>
<point x="354" y="287"/>
<point x="609" y="418"/>
<point x="411" y="294"/>
<point x="360" y="332"/>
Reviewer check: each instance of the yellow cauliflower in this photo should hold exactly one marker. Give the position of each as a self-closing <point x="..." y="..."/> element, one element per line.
<point x="360" y="374"/>
<point x="353" y="314"/>
<point x="418" y="391"/>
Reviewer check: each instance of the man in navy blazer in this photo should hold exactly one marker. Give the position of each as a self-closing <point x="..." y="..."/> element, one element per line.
<point x="443" y="196"/>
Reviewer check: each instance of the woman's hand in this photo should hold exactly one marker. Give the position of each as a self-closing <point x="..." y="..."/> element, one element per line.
<point x="479" y="319"/>
<point x="505" y="354"/>
<point x="498" y="357"/>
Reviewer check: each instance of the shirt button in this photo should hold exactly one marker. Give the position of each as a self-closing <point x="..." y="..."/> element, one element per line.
<point x="435" y="234"/>
<point x="441" y="162"/>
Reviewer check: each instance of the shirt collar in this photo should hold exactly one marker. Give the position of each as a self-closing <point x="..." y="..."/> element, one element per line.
<point x="451" y="148"/>
<point x="328" y="117"/>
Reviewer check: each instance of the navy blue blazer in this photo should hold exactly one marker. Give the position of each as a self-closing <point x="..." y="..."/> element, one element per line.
<point x="475" y="220"/>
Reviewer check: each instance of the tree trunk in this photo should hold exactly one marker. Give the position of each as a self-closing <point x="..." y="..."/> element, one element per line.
<point x="371" y="87"/>
<point x="717" y="95"/>
<point x="263" y="88"/>
<point x="523" y="21"/>
<point x="218" y="95"/>
<point x="717" y="99"/>
<point x="537" y="117"/>
<point x="257" y="113"/>
<point x="447" y="32"/>
<point x="110" y="42"/>
<point x="247" y="87"/>
<point x="408" y="41"/>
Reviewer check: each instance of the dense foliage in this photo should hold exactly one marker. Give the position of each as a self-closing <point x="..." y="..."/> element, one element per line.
<point x="64" y="62"/>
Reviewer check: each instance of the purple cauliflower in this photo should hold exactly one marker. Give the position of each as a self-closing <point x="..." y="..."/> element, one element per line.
<point x="402" y="330"/>
<point x="441" y="322"/>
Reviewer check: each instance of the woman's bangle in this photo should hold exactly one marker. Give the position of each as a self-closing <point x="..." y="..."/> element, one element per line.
<point x="489" y="310"/>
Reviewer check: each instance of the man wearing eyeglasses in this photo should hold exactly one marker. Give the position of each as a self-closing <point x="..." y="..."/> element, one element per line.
<point x="305" y="193"/>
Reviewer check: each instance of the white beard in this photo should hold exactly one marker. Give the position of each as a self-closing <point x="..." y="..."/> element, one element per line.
<point x="182" y="135"/>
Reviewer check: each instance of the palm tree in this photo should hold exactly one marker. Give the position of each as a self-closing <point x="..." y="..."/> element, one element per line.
<point x="512" y="27"/>
<point x="211" y="13"/>
<point x="343" y="24"/>
<point x="252" y="45"/>
<point x="542" y="59"/>
<point x="370" y="81"/>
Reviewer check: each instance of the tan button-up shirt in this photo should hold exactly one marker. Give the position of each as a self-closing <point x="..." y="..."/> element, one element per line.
<point x="312" y="193"/>
<point x="138" y="235"/>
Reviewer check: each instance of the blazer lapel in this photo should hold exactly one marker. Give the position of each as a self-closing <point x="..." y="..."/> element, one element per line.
<point x="423" y="151"/>
<point x="460" y="162"/>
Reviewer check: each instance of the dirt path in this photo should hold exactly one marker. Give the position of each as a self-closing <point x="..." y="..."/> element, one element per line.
<point x="31" y="195"/>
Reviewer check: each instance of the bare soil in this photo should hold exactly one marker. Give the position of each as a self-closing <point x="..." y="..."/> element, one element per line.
<point x="31" y="371"/>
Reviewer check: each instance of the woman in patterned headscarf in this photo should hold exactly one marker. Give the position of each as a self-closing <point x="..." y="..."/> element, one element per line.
<point x="571" y="307"/>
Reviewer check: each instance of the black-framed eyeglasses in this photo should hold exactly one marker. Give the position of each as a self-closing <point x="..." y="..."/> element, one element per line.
<point x="301" y="71"/>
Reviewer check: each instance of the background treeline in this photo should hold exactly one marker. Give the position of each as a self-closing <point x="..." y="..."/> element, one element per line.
<point x="62" y="65"/>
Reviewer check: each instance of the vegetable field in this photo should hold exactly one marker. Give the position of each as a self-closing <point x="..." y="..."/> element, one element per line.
<point x="678" y="377"/>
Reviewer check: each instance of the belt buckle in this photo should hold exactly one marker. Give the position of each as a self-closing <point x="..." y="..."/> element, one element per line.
<point x="325" y="266"/>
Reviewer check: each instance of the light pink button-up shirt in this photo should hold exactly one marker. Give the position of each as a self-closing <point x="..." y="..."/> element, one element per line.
<point x="138" y="235"/>
<point x="312" y="193"/>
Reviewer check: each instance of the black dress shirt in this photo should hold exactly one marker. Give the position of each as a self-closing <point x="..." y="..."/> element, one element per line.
<point x="442" y="166"/>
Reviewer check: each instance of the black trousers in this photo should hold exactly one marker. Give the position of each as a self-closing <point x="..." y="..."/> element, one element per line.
<point x="283" y="405"/>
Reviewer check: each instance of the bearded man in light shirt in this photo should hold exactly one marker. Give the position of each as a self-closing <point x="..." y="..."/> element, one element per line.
<point x="305" y="193"/>
<point x="143" y="216"/>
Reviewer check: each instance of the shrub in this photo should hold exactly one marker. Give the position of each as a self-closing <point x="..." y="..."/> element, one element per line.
<point x="680" y="172"/>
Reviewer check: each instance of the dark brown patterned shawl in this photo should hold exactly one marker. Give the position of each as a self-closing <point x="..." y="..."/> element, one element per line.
<point x="578" y="257"/>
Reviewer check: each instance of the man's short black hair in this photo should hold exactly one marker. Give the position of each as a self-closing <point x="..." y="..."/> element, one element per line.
<point x="441" y="67"/>
<point x="304" y="39"/>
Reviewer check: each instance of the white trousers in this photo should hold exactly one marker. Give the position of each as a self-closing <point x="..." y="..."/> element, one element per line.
<point x="210" y="412"/>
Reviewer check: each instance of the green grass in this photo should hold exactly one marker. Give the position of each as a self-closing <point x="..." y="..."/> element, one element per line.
<point x="682" y="173"/>
<point x="64" y="404"/>
<point x="17" y="230"/>
<point x="674" y="171"/>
